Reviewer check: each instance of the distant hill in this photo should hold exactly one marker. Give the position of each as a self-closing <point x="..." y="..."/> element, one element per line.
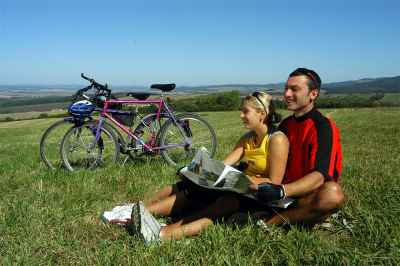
<point x="384" y="84"/>
<point x="243" y="88"/>
<point x="387" y="84"/>
<point x="366" y="85"/>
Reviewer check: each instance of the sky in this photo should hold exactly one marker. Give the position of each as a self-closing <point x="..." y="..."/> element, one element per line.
<point x="196" y="42"/>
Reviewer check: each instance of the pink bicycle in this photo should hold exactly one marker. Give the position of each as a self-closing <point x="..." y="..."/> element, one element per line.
<point x="176" y="137"/>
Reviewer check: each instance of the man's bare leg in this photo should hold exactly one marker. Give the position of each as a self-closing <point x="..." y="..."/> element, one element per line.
<point x="312" y="208"/>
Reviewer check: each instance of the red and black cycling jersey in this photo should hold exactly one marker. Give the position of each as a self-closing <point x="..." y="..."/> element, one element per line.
<point x="314" y="146"/>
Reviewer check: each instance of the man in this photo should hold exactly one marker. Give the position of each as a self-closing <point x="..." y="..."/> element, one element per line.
<point x="314" y="163"/>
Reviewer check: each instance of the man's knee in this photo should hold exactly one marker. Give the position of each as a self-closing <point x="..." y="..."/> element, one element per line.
<point x="329" y="198"/>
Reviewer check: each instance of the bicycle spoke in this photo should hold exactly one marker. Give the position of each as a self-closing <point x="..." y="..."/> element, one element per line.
<point x="179" y="149"/>
<point x="80" y="149"/>
<point x="51" y="141"/>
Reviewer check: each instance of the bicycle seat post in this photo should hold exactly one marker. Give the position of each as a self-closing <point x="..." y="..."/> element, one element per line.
<point x="163" y="98"/>
<point x="165" y="101"/>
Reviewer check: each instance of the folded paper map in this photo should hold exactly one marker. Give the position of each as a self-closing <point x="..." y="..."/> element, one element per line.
<point x="213" y="174"/>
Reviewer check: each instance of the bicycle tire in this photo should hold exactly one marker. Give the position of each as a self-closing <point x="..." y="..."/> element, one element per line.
<point x="149" y="128"/>
<point x="50" y="142"/>
<point x="196" y="129"/>
<point x="92" y="154"/>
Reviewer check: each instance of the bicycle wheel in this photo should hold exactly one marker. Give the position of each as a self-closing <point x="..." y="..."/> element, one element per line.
<point x="50" y="142"/>
<point x="80" y="150"/>
<point x="180" y="142"/>
<point x="149" y="127"/>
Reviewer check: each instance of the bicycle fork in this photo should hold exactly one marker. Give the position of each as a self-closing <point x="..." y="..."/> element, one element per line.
<point x="97" y="132"/>
<point x="186" y="133"/>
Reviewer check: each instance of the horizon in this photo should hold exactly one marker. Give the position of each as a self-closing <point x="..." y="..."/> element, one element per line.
<point x="195" y="44"/>
<point x="196" y="85"/>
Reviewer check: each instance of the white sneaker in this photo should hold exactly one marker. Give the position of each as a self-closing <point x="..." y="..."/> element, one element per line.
<point x="144" y="223"/>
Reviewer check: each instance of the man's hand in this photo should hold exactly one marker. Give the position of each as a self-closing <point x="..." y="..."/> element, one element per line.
<point x="270" y="192"/>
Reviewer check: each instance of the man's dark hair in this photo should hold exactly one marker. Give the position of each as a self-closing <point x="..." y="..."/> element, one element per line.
<point x="314" y="81"/>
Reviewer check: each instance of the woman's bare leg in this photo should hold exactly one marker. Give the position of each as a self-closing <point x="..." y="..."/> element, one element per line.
<point x="178" y="231"/>
<point x="167" y="206"/>
<point x="160" y="195"/>
<point x="200" y="220"/>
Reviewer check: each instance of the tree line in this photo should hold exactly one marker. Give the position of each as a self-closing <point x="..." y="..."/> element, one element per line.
<point x="231" y="101"/>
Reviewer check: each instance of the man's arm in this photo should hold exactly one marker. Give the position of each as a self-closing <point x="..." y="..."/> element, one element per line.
<point x="304" y="185"/>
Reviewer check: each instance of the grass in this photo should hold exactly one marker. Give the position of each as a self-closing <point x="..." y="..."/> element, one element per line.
<point x="53" y="217"/>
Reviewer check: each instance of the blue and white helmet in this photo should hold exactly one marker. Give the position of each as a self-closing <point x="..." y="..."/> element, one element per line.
<point x="81" y="109"/>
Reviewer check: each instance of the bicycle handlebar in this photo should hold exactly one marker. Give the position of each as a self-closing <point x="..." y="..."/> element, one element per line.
<point x="100" y="89"/>
<point x="84" y="77"/>
<point x="96" y="84"/>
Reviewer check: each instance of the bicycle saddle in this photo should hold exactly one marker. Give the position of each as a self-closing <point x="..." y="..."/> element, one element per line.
<point x="163" y="87"/>
<point x="139" y="95"/>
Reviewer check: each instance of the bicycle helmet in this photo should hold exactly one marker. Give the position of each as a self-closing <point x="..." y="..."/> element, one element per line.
<point x="81" y="108"/>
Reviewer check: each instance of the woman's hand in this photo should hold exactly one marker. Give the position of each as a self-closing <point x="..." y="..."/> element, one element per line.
<point x="258" y="179"/>
<point x="253" y="187"/>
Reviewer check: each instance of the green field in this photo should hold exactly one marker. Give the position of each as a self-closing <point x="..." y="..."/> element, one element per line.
<point x="53" y="217"/>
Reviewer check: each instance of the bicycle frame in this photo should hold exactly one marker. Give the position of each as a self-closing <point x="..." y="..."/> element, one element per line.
<point x="107" y="114"/>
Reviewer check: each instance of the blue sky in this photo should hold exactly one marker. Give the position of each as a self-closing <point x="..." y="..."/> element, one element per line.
<point x="196" y="42"/>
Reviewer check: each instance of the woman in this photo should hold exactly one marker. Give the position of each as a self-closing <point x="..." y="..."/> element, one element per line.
<point x="262" y="153"/>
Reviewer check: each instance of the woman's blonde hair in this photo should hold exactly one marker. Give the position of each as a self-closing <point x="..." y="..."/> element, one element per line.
<point x="262" y="101"/>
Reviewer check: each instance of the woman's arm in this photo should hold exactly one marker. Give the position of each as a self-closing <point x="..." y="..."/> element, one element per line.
<point x="278" y="154"/>
<point x="278" y="150"/>
<point x="235" y="155"/>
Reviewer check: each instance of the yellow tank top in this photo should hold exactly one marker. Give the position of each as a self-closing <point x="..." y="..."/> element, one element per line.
<point x="256" y="157"/>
